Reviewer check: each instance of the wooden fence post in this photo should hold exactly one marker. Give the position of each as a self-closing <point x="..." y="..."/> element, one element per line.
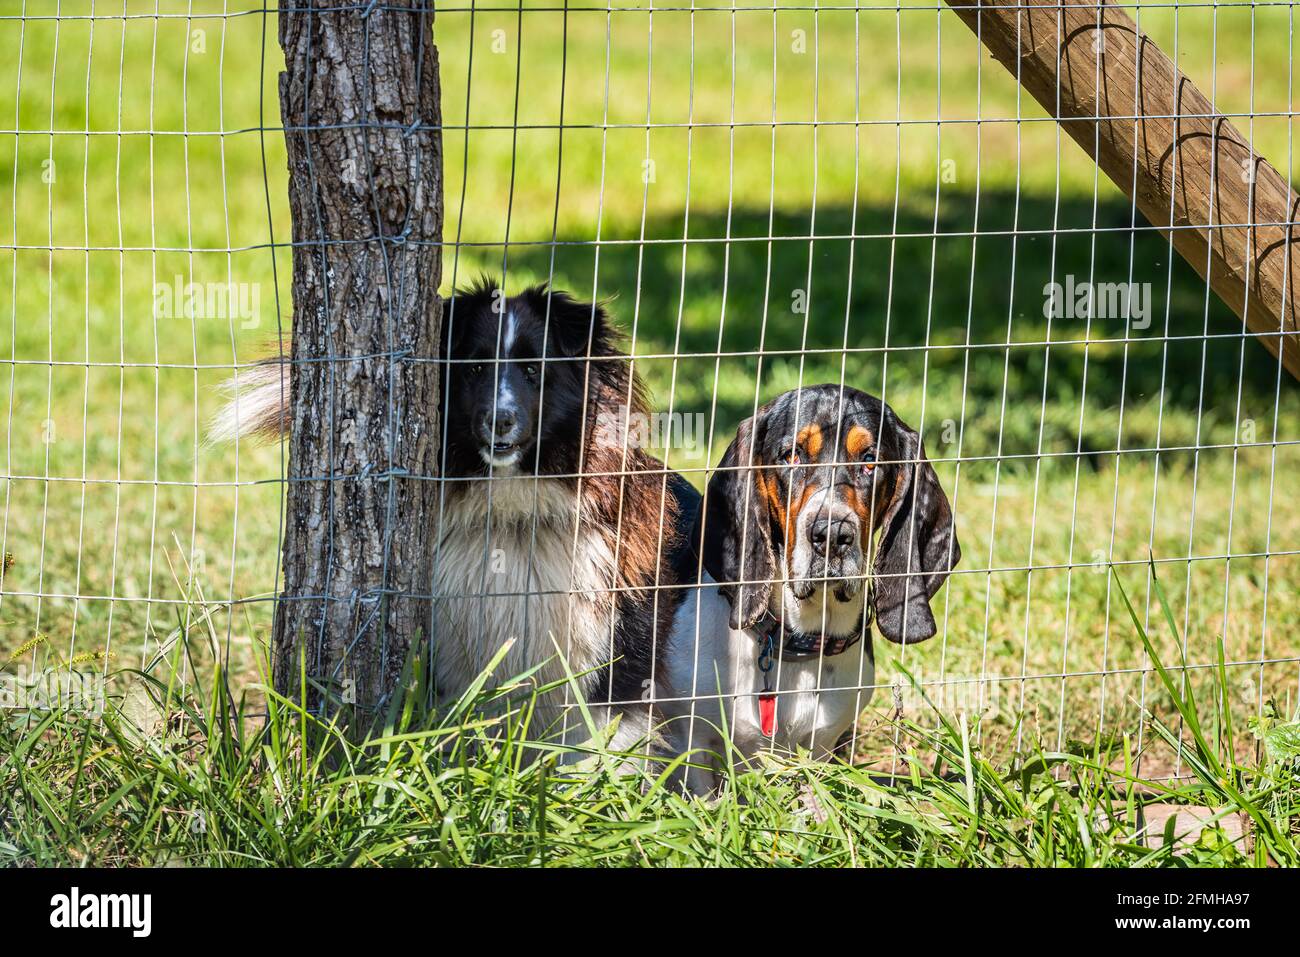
<point x="1191" y="173"/>
<point x="359" y="100"/>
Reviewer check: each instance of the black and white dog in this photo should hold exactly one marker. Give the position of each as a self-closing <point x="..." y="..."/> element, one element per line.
<point x="778" y="634"/>
<point x="556" y="530"/>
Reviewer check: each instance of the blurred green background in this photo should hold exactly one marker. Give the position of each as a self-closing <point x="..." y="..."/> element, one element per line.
<point x="817" y="185"/>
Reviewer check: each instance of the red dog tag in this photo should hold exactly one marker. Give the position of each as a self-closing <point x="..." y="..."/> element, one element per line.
<point x="767" y="713"/>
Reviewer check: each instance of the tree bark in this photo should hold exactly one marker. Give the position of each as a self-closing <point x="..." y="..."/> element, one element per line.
<point x="1189" y="170"/>
<point x="359" y="100"/>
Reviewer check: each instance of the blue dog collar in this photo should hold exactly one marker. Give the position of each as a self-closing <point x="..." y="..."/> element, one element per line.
<point x="771" y="634"/>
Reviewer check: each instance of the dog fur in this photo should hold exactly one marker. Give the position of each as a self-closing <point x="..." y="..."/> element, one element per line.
<point x="790" y="520"/>
<point x="555" y="529"/>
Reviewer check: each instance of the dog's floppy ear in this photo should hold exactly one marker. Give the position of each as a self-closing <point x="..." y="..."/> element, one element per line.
<point x="466" y="306"/>
<point x="737" y="545"/>
<point x="572" y="326"/>
<point x="918" y="546"/>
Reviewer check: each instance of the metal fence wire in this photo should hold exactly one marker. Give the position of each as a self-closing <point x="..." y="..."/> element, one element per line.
<point x="767" y="198"/>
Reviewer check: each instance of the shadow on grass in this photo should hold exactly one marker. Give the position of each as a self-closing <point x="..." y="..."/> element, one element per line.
<point x="965" y="296"/>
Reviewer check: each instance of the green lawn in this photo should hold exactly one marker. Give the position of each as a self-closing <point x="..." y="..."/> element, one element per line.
<point x="191" y="775"/>
<point x="934" y="240"/>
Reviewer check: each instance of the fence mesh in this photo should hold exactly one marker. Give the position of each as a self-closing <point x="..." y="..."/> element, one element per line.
<point x="773" y="197"/>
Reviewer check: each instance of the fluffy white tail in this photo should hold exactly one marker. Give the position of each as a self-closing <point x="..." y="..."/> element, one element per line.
<point x="258" y="407"/>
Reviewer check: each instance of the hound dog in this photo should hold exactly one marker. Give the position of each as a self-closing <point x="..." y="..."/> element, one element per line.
<point x="778" y="633"/>
<point x="555" y="530"/>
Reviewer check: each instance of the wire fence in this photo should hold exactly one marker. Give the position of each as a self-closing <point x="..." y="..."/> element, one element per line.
<point x="770" y="198"/>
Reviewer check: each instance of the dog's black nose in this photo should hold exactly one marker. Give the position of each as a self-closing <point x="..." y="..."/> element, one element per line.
<point x="505" y="422"/>
<point x="834" y="533"/>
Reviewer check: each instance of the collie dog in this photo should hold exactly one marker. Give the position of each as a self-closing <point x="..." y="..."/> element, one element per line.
<point x="555" y="529"/>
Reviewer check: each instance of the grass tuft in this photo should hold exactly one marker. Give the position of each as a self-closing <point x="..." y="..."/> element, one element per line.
<point x="195" y="773"/>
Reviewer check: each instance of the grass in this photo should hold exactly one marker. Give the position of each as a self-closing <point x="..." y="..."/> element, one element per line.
<point x="181" y="773"/>
<point x="920" y="250"/>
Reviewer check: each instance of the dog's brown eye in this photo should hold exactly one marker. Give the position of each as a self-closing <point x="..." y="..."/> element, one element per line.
<point x="790" y="456"/>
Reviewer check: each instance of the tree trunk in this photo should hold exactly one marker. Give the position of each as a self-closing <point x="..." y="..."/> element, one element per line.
<point x="360" y="104"/>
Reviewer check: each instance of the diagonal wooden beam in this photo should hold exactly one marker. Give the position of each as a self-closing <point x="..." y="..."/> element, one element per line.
<point x="1191" y="172"/>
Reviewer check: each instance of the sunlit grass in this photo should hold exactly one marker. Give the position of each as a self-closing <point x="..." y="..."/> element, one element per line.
<point x="113" y="509"/>
<point x="190" y="773"/>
